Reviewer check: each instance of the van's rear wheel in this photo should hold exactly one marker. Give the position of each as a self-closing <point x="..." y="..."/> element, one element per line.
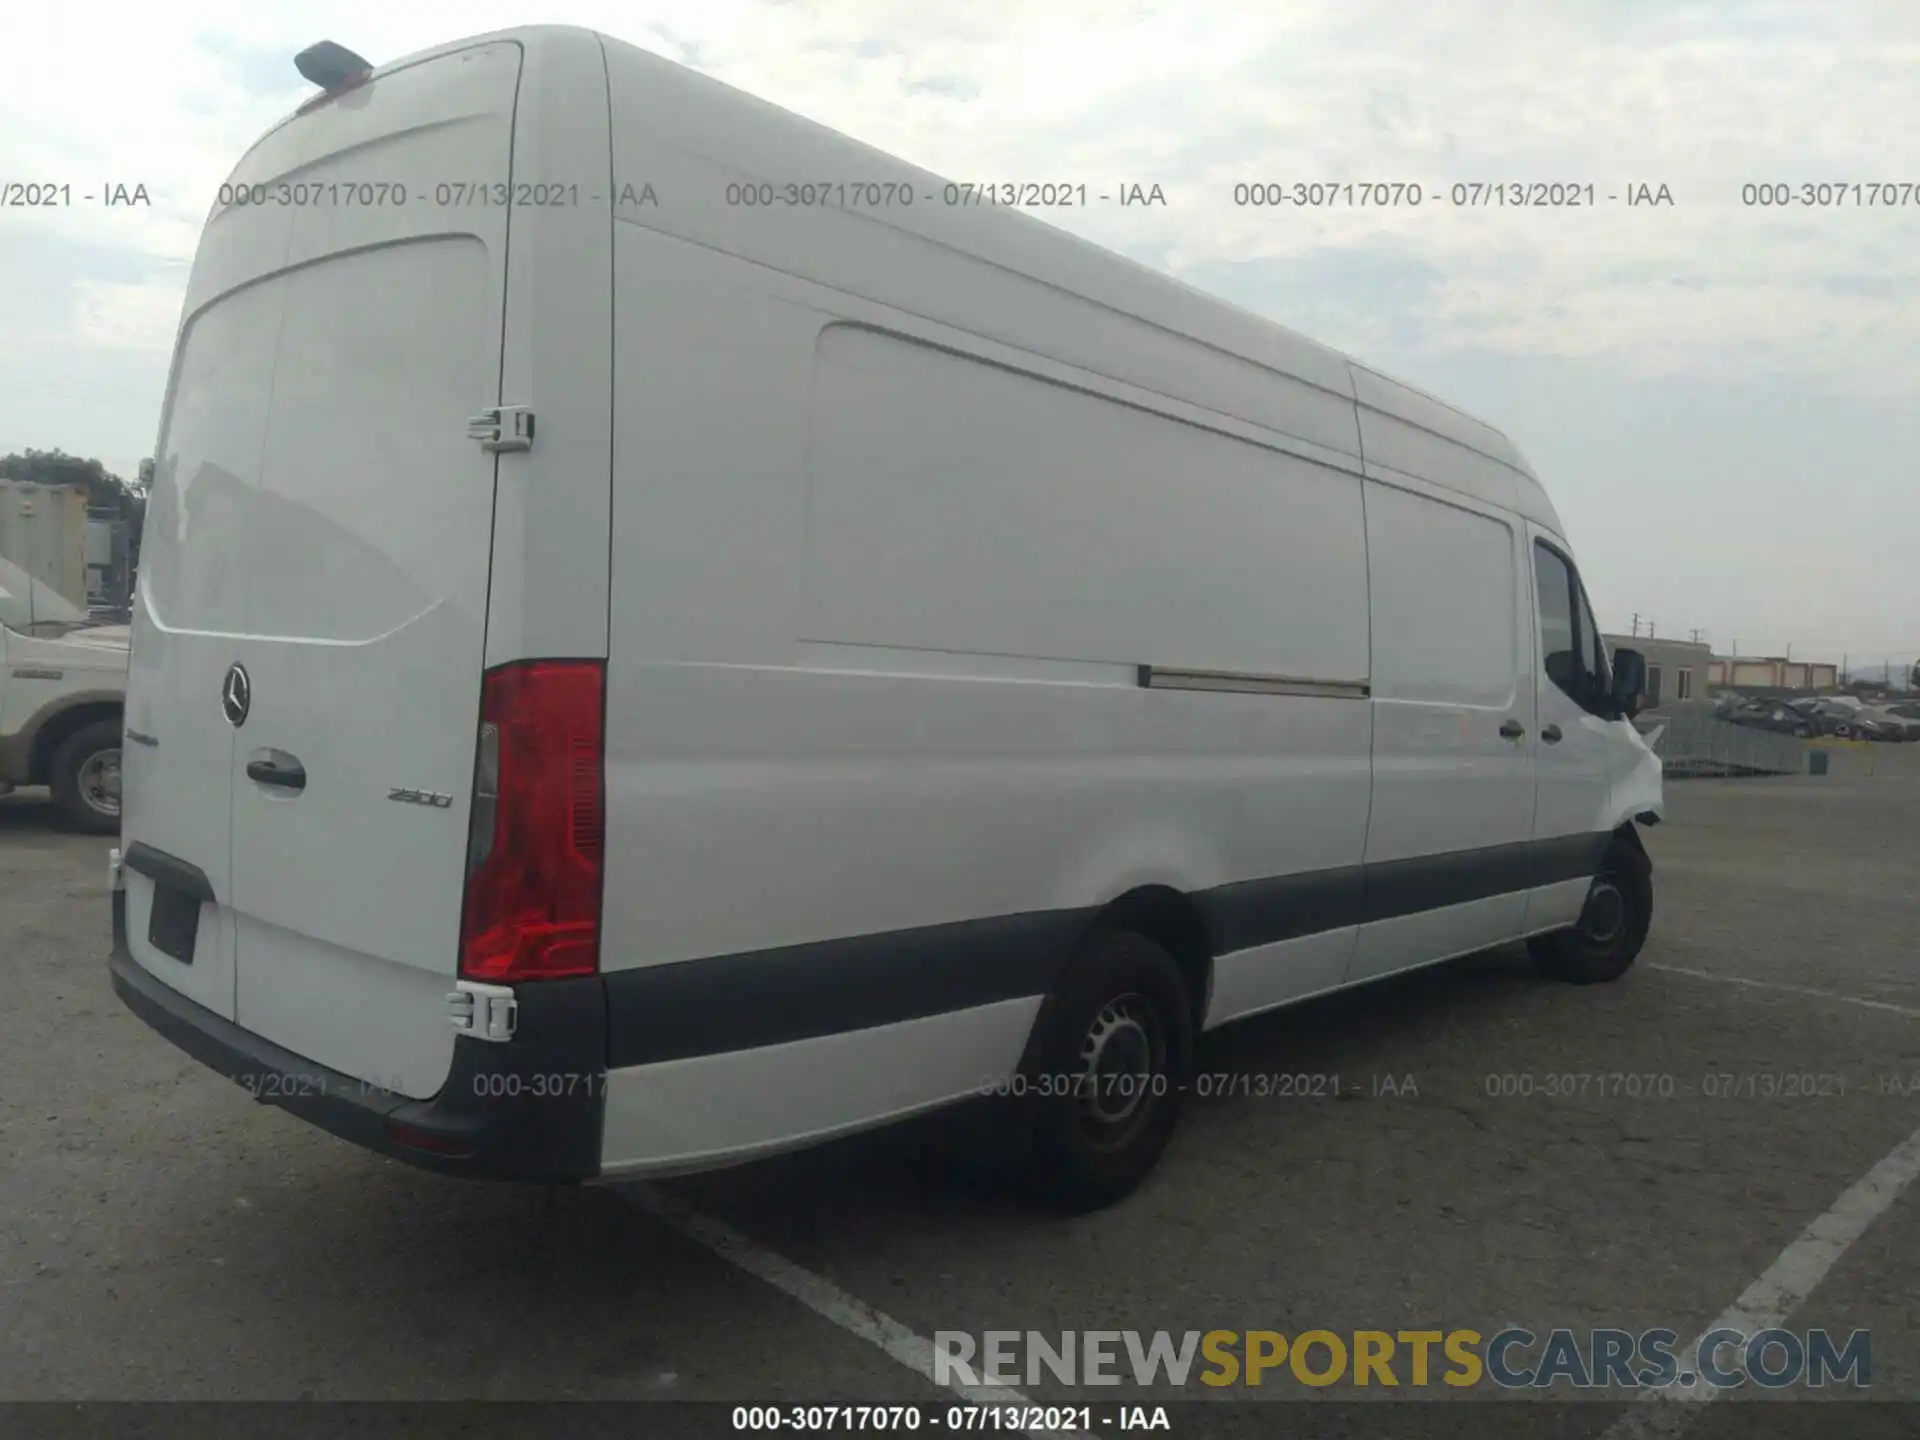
<point x="1612" y="927"/>
<point x="1106" y="1072"/>
<point x="86" y="779"/>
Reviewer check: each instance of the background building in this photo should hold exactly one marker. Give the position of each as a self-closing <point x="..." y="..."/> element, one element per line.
<point x="43" y="530"/>
<point x="1772" y="672"/>
<point x="1676" y="669"/>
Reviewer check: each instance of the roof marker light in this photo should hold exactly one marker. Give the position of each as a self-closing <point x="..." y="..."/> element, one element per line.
<point x="331" y="66"/>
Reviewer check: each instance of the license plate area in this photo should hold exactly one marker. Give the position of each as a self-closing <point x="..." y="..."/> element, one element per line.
<point x="173" y="925"/>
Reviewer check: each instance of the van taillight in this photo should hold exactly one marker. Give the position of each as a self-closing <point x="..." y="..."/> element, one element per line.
<point x="532" y="907"/>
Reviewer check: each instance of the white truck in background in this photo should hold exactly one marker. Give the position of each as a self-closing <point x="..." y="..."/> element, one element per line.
<point x="63" y="686"/>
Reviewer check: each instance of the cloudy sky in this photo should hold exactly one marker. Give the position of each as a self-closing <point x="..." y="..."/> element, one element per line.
<point x="1720" y="396"/>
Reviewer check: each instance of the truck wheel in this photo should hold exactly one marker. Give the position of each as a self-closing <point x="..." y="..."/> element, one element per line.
<point x="86" y="779"/>
<point x="1105" y="1072"/>
<point x="1606" y="939"/>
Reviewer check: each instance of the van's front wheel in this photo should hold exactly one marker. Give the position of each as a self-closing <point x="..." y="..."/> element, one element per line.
<point x="1106" y="1072"/>
<point x="1612" y="927"/>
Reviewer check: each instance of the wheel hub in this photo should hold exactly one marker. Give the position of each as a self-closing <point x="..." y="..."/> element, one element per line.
<point x="1606" y="911"/>
<point x="99" y="782"/>
<point x="1117" y="1063"/>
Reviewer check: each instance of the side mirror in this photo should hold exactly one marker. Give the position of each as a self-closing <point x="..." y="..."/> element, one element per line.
<point x="1629" y="682"/>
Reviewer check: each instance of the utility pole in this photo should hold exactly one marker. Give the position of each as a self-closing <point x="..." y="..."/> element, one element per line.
<point x="1636" y="624"/>
<point x="1649" y="627"/>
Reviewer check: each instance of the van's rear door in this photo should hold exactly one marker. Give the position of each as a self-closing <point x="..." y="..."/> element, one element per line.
<point x="366" y="540"/>
<point x="177" y="766"/>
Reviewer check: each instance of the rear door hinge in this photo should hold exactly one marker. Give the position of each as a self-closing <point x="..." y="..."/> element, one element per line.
<point x="486" y="1012"/>
<point x="505" y="427"/>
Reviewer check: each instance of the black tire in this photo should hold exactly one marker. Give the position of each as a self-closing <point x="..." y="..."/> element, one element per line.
<point x="1105" y="1073"/>
<point x="79" y="787"/>
<point x="1605" y="941"/>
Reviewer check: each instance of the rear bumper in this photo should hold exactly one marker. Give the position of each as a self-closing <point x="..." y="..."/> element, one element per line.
<point x="528" y="1109"/>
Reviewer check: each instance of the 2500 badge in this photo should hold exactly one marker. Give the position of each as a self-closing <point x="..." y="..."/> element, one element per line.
<point x="407" y="795"/>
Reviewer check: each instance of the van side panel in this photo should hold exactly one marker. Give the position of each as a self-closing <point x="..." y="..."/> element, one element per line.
<point x="715" y="362"/>
<point x="890" y="232"/>
<point x="965" y="507"/>
<point x="723" y="1108"/>
<point x="844" y="800"/>
<point x="907" y="491"/>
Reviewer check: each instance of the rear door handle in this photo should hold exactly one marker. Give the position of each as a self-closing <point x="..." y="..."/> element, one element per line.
<point x="1513" y="729"/>
<point x="287" y="777"/>
<point x="1551" y="734"/>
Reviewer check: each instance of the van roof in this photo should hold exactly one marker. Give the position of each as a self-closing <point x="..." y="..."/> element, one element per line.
<point x="709" y="114"/>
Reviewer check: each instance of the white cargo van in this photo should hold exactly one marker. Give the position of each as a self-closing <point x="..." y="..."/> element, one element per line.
<point x="668" y="635"/>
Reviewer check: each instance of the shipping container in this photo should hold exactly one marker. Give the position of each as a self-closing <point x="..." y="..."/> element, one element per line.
<point x="43" y="530"/>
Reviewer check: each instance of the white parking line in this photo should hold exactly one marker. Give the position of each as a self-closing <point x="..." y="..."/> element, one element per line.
<point x="1886" y="1005"/>
<point x="819" y="1295"/>
<point x="1663" y="1413"/>
<point x="1777" y="1293"/>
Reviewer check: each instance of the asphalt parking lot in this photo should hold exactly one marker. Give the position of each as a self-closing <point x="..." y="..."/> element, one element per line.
<point x="162" y="1237"/>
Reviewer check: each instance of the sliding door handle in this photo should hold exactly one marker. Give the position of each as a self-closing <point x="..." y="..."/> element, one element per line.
<point x="1513" y="729"/>
<point x="1551" y="734"/>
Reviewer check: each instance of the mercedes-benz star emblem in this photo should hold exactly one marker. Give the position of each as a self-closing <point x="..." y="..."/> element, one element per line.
<point x="236" y="696"/>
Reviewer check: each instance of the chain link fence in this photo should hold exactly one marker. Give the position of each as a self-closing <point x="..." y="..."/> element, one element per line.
<point x="1693" y="742"/>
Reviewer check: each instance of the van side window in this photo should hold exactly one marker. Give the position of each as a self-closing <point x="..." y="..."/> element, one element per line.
<point x="1570" y="647"/>
<point x="1598" y="671"/>
<point x="1558" y="653"/>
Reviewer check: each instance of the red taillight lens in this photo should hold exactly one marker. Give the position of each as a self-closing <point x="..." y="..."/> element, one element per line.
<point x="533" y="873"/>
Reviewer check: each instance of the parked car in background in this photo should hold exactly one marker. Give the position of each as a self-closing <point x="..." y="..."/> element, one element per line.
<point x="1772" y="715"/>
<point x="1881" y="722"/>
<point x="1835" y="715"/>
<point x="1776" y="717"/>
<point x="63" y="683"/>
